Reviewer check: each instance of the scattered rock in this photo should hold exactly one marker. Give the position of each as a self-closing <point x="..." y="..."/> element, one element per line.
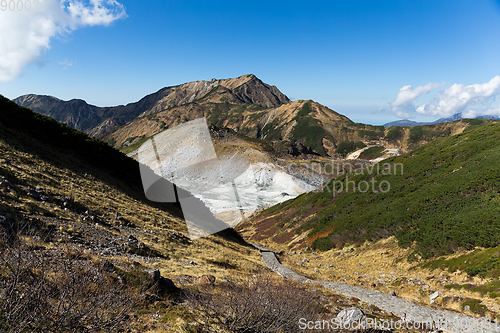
<point x="154" y="274"/>
<point x="108" y="266"/>
<point x="206" y="279"/>
<point x="350" y="316"/>
<point x="433" y="296"/>
<point x="467" y="308"/>
<point x="393" y="293"/>
<point x="227" y="283"/>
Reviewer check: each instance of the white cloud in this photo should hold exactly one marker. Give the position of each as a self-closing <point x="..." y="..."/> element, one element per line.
<point x="99" y="13"/>
<point x="405" y="99"/>
<point x="464" y="99"/>
<point x="488" y="112"/>
<point x="66" y="63"/>
<point x="25" y="35"/>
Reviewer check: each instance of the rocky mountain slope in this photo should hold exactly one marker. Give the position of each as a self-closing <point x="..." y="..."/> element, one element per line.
<point x="98" y="121"/>
<point x="297" y="128"/>
<point x="245" y="105"/>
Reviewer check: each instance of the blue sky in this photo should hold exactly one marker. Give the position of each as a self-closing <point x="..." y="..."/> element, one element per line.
<point x="357" y="57"/>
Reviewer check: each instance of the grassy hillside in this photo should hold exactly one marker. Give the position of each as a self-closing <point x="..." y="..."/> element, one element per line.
<point x="81" y="180"/>
<point x="77" y="234"/>
<point x="72" y="200"/>
<point x="438" y="198"/>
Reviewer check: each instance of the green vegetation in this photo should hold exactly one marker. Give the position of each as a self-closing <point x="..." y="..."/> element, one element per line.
<point x="308" y="130"/>
<point x="474" y="122"/>
<point x="447" y="198"/>
<point x="323" y="244"/>
<point x="371" y="135"/>
<point x="427" y="132"/>
<point x="372" y="153"/>
<point x="475" y="306"/>
<point x="416" y="134"/>
<point x="345" y="147"/>
<point x="219" y="113"/>
<point x="134" y="146"/>
<point x="481" y="262"/>
<point x="271" y="132"/>
<point x="490" y="289"/>
<point x="394" y="133"/>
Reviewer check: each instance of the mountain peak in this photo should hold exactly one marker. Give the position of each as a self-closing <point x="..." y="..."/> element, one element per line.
<point x="99" y="120"/>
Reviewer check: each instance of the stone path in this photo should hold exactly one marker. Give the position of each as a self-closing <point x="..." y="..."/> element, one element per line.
<point x="445" y="320"/>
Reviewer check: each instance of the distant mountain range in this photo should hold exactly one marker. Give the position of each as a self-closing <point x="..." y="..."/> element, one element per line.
<point x="457" y="116"/>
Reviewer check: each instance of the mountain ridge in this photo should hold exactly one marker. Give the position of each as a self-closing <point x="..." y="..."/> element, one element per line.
<point x="97" y="121"/>
<point x="245" y="105"/>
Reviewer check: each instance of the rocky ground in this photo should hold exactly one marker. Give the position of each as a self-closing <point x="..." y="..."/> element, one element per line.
<point x="390" y="303"/>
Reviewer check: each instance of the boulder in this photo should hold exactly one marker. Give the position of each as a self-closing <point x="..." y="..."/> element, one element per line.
<point x="167" y="283"/>
<point x="351" y="317"/>
<point x="206" y="279"/>
<point x="154" y="274"/>
<point x="433" y="296"/>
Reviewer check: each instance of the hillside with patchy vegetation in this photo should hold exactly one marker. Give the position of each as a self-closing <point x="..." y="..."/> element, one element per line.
<point x="436" y="199"/>
<point x="245" y="105"/>
<point x="82" y="249"/>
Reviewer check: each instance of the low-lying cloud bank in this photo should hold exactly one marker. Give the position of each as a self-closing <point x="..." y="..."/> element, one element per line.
<point x="469" y="100"/>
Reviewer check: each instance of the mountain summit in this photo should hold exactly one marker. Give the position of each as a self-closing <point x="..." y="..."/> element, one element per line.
<point x="97" y="121"/>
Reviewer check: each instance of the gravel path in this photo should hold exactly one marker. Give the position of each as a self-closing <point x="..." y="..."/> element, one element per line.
<point x="446" y="320"/>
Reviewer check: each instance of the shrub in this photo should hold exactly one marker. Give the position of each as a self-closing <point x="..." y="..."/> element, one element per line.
<point x="53" y="291"/>
<point x="259" y="304"/>
<point x="345" y="147"/>
<point x="475" y="306"/>
<point x="372" y="135"/>
<point x="372" y="153"/>
<point x="394" y="134"/>
<point x="416" y="134"/>
<point x="474" y="122"/>
<point x="323" y="244"/>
